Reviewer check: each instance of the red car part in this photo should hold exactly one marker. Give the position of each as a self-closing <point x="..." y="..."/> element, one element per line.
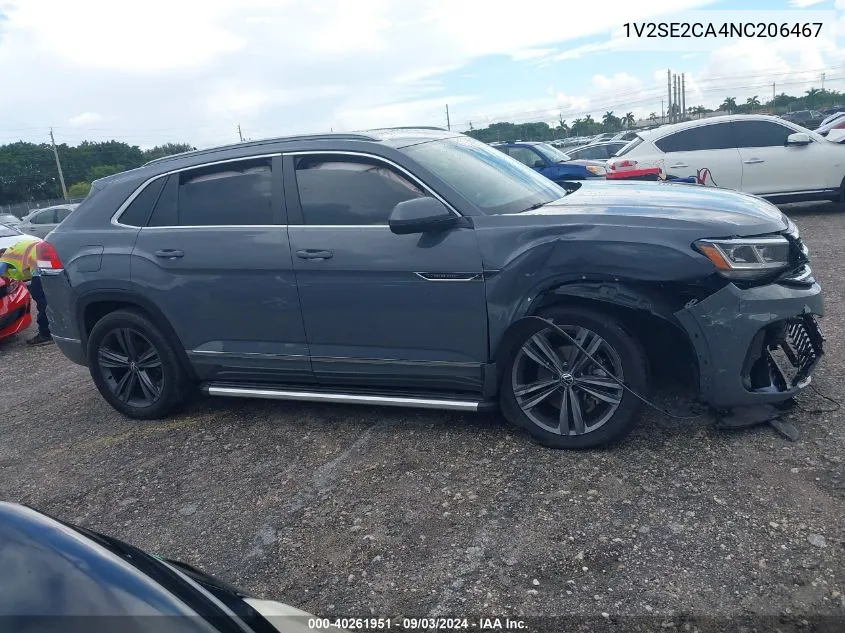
<point x="15" y="307"/>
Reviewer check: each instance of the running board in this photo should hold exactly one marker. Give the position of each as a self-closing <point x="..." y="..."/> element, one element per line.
<point x="345" y="398"/>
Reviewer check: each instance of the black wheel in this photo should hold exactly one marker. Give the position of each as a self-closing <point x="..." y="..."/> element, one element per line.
<point x="561" y="397"/>
<point x="134" y="367"/>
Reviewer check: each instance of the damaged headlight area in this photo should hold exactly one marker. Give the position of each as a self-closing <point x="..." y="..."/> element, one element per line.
<point x="747" y="258"/>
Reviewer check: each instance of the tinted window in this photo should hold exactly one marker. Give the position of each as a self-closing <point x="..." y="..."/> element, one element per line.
<point x="45" y="217"/>
<point x="232" y="194"/>
<point x="524" y="155"/>
<point x="344" y="191"/>
<point x="164" y="213"/>
<point x="139" y="209"/>
<point x="761" y="134"/>
<point x="703" y="137"/>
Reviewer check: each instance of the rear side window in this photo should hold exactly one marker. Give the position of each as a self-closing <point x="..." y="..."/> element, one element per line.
<point x="761" y="134"/>
<point x="697" y="139"/>
<point x="349" y="191"/>
<point x="524" y="155"/>
<point x="45" y="217"/>
<point x="139" y="209"/>
<point x="231" y="194"/>
<point x="627" y="148"/>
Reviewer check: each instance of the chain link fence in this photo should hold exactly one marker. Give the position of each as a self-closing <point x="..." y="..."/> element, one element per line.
<point x="23" y="208"/>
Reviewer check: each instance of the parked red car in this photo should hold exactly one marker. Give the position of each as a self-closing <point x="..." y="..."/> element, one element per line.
<point x="15" y="312"/>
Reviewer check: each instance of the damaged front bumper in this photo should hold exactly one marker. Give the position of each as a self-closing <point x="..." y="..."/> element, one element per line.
<point x="755" y="345"/>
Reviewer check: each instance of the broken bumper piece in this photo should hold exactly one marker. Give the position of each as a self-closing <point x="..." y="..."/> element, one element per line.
<point x="755" y="345"/>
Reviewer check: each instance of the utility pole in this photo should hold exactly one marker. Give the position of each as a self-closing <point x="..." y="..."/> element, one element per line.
<point x="240" y="134"/>
<point x="822" y="82"/>
<point x="669" y="92"/>
<point x="683" y="98"/>
<point x="448" y="122"/>
<point x="773" y="95"/>
<point x="58" y="165"/>
<point x="675" y="99"/>
<point x="662" y="113"/>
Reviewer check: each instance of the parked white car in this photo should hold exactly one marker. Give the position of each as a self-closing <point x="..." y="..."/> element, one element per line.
<point x="759" y="154"/>
<point x="41" y="221"/>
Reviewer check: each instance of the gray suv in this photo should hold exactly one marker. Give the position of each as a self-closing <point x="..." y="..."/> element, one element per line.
<point x="421" y="268"/>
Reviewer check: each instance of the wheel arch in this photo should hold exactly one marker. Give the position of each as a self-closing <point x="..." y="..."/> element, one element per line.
<point x="94" y="306"/>
<point x="644" y="311"/>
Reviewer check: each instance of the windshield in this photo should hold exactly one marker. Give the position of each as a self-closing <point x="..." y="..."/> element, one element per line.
<point x="491" y="180"/>
<point x="552" y="153"/>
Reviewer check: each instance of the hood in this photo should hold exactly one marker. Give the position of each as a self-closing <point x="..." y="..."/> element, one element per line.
<point x="717" y="212"/>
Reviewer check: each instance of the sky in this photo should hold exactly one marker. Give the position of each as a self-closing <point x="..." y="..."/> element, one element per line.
<point x="155" y="71"/>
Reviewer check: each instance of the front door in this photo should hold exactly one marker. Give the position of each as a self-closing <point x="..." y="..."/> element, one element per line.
<point x="769" y="165"/>
<point x="215" y="259"/>
<point x="381" y="310"/>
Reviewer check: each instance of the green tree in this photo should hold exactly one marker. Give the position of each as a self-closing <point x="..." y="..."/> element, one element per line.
<point x="610" y="121"/>
<point x="653" y="117"/>
<point x="812" y="95"/>
<point x="79" y="189"/>
<point x="729" y="104"/>
<point x="101" y="171"/>
<point x="168" y="149"/>
<point x="629" y="120"/>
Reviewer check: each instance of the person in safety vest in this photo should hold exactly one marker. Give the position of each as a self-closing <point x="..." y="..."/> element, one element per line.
<point x="19" y="262"/>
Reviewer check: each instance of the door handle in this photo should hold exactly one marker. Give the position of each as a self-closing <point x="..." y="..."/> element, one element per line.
<point x="753" y="161"/>
<point x="313" y="253"/>
<point x="678" y="166"/>
<point x="170" y="253"/>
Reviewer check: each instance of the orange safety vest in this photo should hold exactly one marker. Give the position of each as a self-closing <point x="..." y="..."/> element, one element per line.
<point x="21" y="259"/>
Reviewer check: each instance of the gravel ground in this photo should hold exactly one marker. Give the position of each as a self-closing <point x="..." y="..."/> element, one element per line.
<point x="348" y="511"/>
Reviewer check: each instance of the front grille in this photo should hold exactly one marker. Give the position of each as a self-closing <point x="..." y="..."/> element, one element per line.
<point x="7" y="319"/>
<point x="803" y="347"/>
<point x="783" y="355"/>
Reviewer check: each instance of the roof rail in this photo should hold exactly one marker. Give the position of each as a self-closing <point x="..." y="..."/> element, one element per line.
<point x="266" y="141"/>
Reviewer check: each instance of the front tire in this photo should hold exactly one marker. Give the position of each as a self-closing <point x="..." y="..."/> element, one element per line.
<point x="134" y="367"/>
<point x="564" y="400"/>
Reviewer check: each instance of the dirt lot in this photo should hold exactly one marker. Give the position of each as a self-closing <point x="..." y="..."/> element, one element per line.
<point x="357" y="511"/>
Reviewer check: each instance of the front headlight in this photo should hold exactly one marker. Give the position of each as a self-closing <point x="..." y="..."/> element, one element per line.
<point x="595" y="169"/>
<point x="747" y="258"/>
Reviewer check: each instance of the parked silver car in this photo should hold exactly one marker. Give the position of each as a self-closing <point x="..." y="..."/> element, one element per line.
<point x="41" y="221"/>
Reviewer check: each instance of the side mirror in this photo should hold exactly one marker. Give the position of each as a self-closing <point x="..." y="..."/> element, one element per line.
<point x="799" y="138"/>
<point x="421" y="215"/>
<point x="539" y="164"/>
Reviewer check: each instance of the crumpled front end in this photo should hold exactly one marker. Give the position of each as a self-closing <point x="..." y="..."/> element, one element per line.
<point x="15" y="308"/>
<point x="755" y="345"/>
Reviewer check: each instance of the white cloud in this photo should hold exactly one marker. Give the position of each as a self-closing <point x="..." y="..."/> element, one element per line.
<point x="86" y="118"/>
<point x="802" y="4"/>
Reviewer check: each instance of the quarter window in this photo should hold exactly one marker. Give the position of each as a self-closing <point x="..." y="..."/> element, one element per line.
<point x="341" y="190"/>
<point x="761" y="134"/>
<point x="139" y="209"/>
<point x="703" y="137"/>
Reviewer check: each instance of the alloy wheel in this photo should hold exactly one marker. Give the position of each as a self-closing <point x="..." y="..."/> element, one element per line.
<point x="559" y="388"/>
<point x="131" y="367"/>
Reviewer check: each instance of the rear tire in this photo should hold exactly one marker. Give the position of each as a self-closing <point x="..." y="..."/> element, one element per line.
<point x="543" y="374"/>
<point x="134" y="367"/>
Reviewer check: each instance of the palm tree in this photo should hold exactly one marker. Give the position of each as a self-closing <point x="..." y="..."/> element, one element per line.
<point x="609" y="120"/>
<point x="752" y="102"/>
<point x="812" y="93"/>
<point x="653" y="117"/>
<point x="629" y="119"/>
<point x="728" y="104"/>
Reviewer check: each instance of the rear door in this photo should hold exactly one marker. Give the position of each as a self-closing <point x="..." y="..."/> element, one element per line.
<point x="380" y="309"/>
<point x="215" y="258"/>
<point x="771" y="166"/>
<point x="708" y="151"/>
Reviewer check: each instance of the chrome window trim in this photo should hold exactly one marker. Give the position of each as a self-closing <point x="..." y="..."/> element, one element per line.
<point x="146" y="183"/>
<point x="413" y="178"/>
